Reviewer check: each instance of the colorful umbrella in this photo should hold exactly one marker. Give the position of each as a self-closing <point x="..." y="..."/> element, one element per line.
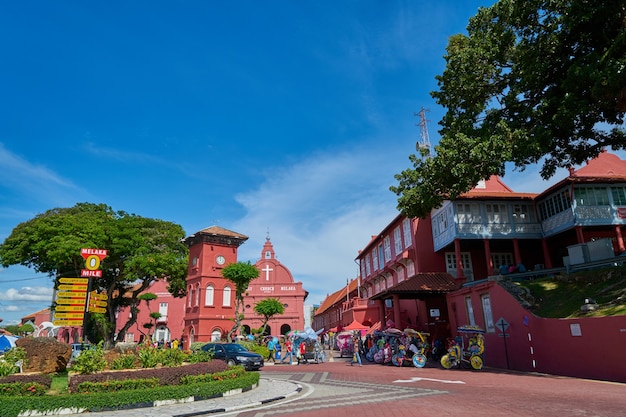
<point x="7" y="342"/>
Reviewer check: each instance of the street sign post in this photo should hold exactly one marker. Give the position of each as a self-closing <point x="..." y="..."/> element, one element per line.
<point x="503" y="325"/>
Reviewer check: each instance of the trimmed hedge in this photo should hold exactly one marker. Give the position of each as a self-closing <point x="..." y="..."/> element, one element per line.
<point x="166" y="376"/>
<point x="13" y="406"/>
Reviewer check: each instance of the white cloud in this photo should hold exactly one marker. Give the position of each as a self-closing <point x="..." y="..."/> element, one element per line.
<point x="320" y="212"/>
<point x="27" y="294"/>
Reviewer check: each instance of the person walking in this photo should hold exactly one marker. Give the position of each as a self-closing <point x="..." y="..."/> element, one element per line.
<point x="288" y="352"/>
<point x="271" y="347"/>
<point x="356" y="355"/>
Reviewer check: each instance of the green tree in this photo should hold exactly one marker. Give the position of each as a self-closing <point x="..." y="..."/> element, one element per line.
<point x="240" y="274"/>
<point x="154" y="315"/>
<point x="26" y="329"/>
<point x="140" y="251"/>
<point x="534" y="81"/>
<point x="268" y="308"/>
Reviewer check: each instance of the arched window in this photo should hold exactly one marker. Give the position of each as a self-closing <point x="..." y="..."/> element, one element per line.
<point x="226" y="302"/>
<point x="190" y="295"/>
<point x="208" y="300"/>
<point x="216" y="335"/>
<point x="198" y="295"/>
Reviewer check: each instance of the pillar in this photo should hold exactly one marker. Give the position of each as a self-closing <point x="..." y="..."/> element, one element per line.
<point x="516" y="254"/>
<point x="460" y="274"/>
<point x="620" y="239"/>
<point x="396" y="311"/>
<point x="488" y="259"/>
<point x="546" y="253"/>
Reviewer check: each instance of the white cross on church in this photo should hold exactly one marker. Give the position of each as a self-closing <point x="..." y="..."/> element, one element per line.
<point x="267" y="270"/>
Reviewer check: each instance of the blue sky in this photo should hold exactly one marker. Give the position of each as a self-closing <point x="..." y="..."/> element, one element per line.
<point x="291" y="116"/>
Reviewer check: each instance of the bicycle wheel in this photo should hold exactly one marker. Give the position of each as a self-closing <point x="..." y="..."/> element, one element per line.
<point x="477" y="362"/>
<point x="397" y="359"/>
<point x="419" y="360"/>
<point x="446" y="361"/>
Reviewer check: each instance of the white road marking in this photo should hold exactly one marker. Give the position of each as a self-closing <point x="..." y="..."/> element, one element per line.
<point x="417" y="378"/>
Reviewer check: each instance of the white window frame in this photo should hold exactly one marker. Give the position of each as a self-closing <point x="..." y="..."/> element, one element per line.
<point x="227" y="296"/>
<point x="485" y="300"/>
<point x="397" y="240"/>
<point x="210" y="295"/>
<point x="387" y="244"/>
<point x="406" y="228"/>
<point x="469" y="308"/>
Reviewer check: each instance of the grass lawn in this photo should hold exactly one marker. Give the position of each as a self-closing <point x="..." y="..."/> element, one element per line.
<point x="562" y="297"/>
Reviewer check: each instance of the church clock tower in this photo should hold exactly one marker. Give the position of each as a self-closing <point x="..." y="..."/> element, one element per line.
<point x="210" y="303"/>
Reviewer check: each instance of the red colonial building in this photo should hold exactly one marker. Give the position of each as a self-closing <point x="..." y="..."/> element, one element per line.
<point x="210" y="304"/>
<point x="274" y="281"/>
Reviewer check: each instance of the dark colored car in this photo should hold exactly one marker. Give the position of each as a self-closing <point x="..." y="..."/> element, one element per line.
<point x="235" y="354"/>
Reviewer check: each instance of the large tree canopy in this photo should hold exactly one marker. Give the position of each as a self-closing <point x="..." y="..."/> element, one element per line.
<point x="140" y="251"/>
<point x="534" y="81"/>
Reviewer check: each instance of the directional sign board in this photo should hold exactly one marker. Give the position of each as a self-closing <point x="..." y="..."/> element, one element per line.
<point x="71" y="301"/>
<point x="72" y="294"/>
<point x="79" y="316"/>
<point x="97" y="303"/>
<point x="94" y="295"/>
<point x="83" y="281"/>
<point x="70" y="307"/>
<point x="97" y="310"/>
<point x="73" y="287"/>
<point x="68" y="323"/>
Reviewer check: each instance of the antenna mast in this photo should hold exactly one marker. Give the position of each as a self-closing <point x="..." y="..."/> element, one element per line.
<point x="424" y="142"/>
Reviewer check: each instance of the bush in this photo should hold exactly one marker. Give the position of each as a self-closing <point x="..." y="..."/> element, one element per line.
<point x="119" y="385"/>
<point x="22" y="389"/>
<point x="200" y="356"/>
<point x="90" y="361"/>
<point x="166" y="376"/>
<point x="126" y="361"/>
<point x="196" y="346"/>
<point x="10" y="359"/>
<point x="231" y="373"/>
<point x="149" y="356"/>
<point x="14" y="406"/>
<point x="173" y="357"/>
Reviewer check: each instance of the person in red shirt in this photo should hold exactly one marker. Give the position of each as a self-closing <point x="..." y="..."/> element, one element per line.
<point x="302" y="353"/>
<point x="288" y="352"/>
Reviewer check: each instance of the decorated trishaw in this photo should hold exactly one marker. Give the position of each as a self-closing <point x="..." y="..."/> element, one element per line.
<point x="466" y="349"/>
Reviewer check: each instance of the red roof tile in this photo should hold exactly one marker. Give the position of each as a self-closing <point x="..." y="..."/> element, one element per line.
<point x="428" y="282"/>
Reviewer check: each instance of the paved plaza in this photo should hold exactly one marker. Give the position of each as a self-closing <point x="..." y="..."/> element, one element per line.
<point x="337" y="389"/>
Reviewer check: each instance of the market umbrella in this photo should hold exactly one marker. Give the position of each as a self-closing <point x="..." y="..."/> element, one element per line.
<point x="7" y="342"/>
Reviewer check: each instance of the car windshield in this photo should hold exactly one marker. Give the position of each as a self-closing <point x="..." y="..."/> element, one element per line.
<point x="235" y="348"/>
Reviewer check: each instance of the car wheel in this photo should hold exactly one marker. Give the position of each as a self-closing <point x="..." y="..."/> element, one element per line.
<point x="231" y="362"/>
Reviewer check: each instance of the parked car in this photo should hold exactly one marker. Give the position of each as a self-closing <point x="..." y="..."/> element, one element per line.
<point x="77" y="348"/>
<point x="235" y="354"/>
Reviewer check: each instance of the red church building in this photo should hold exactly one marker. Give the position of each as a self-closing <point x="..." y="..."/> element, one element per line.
<point x="275" y="281"/>
<point x="210" y="302"/>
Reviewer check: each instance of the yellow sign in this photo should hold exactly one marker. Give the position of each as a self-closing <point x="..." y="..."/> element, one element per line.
<point x="97" y="310"/>
<point x="67" y="323"/>
<point x="72" y="294"/>
<point x="76" y="287"/>
<point x="72" y="301"/>
<point x="97" y="303"/>
<point x="69" y="316"/>
<point x="70" y="308"/>
<point x="95" y="296"/>
<point x="83" y="281"/>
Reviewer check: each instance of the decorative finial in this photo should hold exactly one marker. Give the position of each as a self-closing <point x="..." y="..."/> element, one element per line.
<point x="267" y="238"/>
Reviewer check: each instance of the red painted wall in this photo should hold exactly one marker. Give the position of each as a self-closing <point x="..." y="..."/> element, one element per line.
<point x="598" y="353"/>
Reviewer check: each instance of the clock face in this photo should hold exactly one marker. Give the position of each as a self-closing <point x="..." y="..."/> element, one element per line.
<point x="220" y="260"/>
